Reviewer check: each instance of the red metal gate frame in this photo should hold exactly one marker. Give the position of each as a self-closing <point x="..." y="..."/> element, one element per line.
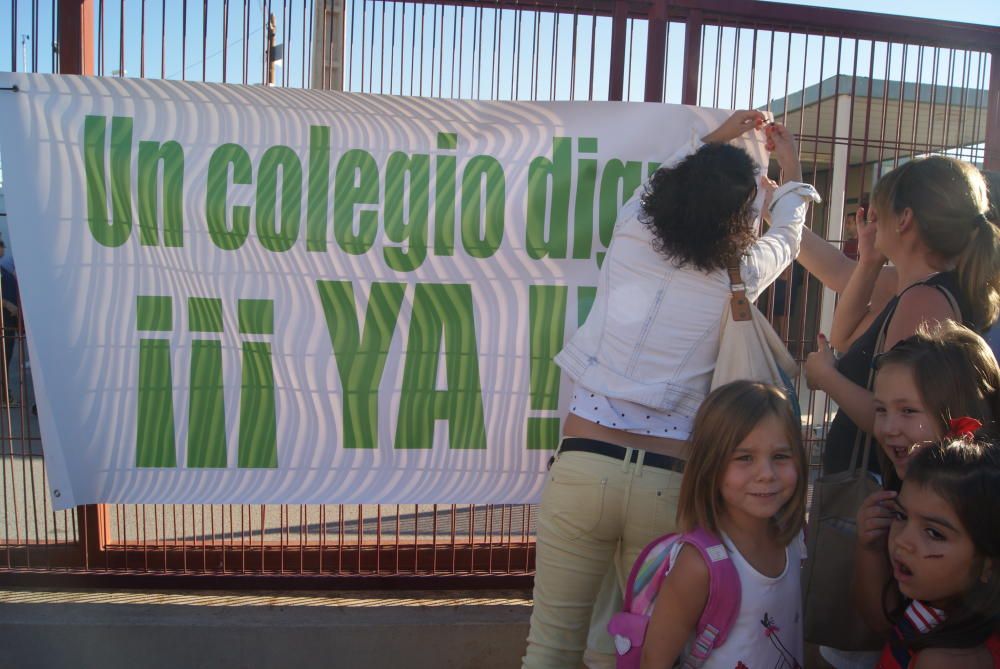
<point x="103" y="563"/>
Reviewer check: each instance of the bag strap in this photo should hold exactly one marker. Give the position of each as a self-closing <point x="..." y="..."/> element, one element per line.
<point x="724" y="595"/>
<point x="952" y="302"/>
<point x="861" y="436"/>
<point x="957" y="310"/>
<point x="739" y="304"/>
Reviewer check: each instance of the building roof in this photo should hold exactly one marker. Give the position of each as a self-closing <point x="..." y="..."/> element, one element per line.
<point x="899" y="119"/>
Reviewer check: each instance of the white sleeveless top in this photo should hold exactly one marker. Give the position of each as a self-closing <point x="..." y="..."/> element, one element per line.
<point x="768" y="629"/>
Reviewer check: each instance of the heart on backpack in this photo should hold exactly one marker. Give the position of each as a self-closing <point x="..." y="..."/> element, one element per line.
<point x="622" y="644"/>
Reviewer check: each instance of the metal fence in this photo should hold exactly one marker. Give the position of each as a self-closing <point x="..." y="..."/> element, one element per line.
<point x="864" y="92"/>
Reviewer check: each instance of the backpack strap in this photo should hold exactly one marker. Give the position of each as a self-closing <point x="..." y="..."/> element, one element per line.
<point x="647" y="573"/>
<point x="724" y="593"/>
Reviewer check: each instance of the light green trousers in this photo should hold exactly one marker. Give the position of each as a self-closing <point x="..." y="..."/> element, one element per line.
<point x="596" y="515"/>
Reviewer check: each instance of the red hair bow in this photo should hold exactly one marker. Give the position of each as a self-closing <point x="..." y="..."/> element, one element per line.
<point x="963" y="428"/>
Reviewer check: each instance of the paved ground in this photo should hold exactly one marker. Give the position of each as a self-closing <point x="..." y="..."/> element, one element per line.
<point x="259" y="630"/>
<point x="263" y="629"/>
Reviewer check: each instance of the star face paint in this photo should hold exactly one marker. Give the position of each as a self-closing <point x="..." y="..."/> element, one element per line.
<point x="933" y="557"/>
<point x="902" y="420"/>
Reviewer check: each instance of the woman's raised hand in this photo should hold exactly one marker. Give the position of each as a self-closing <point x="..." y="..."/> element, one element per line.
<point x="736" y="125"/>
<point x="781" y="142"/>
<point x="867" y="253"/>
<point x="819" y="364"/>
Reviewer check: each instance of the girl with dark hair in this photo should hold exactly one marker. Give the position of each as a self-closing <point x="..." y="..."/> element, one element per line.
<point x="943" y="602"/>
<point x="642" y="364"/>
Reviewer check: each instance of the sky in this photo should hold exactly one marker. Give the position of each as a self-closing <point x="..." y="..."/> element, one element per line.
<point x="410" y="49"/>
<point x="983" y="12"/>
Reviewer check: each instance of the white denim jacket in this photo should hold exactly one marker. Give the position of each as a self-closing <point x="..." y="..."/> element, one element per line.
<point x="652" y="335"/>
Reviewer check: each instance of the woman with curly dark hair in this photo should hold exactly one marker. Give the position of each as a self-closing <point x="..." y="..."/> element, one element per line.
<point x="642" y="364"/>
<point x="705" y="233"/>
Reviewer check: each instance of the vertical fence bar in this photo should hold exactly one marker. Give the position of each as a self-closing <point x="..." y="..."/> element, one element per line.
<point x="619" y="25"/>
<point x="718" y="64"/>
<point x="121" y="39"/>
<point x="204" y="40"/>
<point x="100" y="38"/>
<point x="963" y="104"/>
<point x="76" y="37"/>
<point x="593" y="53"/>
<point x="991" y="157"/>
<point x="656" y="51"/>
<point x="980" y="80"/>
<point x="34" y="32"/>
<point x="163" y="39"/>
<point x="935" y="68"/>
<point x="628" y="64"/>
<point x="13" y="36"/>
<point x="76" y="56"/>
<point x="340" y="537"/>
<point x="692" y="58"/>
<point x="516" y="55"/>
<point x="885" y="100"/>
<point x="416" y="538"/>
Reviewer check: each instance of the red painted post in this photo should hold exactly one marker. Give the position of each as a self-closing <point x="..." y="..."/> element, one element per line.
<point x="991" y="156"/>
<point x="76" y="56"/>
<point x="76" y="37"/>
<point x="93" y="531"/>
<point x="619" y="25"/>
<point x="656" y="51"/>
<point x="692" y="58"/>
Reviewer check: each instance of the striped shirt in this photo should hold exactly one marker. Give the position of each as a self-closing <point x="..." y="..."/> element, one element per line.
<point x="919" y="618"/>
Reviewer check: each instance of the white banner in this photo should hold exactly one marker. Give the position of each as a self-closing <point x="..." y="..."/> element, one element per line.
<point x="254" y="295"/>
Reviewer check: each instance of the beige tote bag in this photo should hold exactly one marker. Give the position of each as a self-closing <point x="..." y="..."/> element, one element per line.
<point x="749" y="348"/>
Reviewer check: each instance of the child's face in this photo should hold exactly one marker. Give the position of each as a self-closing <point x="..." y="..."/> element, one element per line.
<point x="933" y="558"/>
<point x="761" y="474"/>
<point x="902" y="422"/>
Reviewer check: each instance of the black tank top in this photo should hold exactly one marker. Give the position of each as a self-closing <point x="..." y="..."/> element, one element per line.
<point x="855" y="365"/>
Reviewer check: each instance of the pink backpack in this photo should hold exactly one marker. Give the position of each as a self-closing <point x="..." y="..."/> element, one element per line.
<point x="628" y="627"/>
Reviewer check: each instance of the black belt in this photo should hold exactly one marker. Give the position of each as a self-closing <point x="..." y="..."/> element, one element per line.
<point x="657" y="460"/>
